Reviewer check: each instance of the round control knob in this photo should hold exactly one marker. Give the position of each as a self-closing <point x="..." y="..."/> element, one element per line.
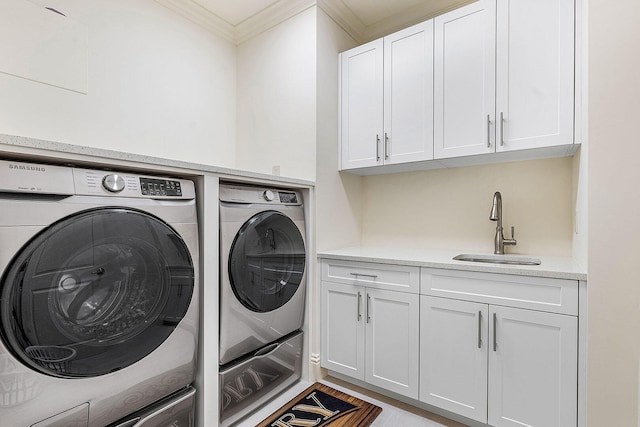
<point x="113" y="183"/>
<point x="268" y="195"/>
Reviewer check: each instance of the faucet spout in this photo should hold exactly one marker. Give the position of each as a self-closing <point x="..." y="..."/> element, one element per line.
<point x="499" y="241"/>
<point x="496" y="209"/>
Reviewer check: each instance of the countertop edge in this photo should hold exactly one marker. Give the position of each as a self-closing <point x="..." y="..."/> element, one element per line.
<point x="532" y="271"/>
<point x="52" y="150"/>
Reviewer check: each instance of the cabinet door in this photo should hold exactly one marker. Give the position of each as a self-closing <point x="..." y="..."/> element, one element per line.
<point x="342" y="330"/>
<point x="408" y="94"/>
<point x="535" y="73"/>
<point x="532" y="368"/>
<point x="392" y="335"/>
<point x="361" y="105"/>
<point x="453" y="356"/>
<point x="464" y="86"/>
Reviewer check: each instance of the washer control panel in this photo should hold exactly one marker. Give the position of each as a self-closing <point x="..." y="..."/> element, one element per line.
<point x="160" y="187"/>
<point x="23" y="177"/>
<point x="103" y="183"/>
<point x="113" y="183"/>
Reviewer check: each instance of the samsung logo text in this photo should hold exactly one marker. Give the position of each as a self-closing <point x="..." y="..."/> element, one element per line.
<point x="27" y="168"/>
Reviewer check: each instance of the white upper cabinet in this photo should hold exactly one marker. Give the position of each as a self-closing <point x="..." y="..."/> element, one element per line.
<point x="465" y="81"/>
<point x="408" y="94"/>
<point x="491" y="81"/>
<point x="535" y="73"/>
<point x="362" y="105"/>
<point x="504" y="77"/>
<point x="387" y="100"/>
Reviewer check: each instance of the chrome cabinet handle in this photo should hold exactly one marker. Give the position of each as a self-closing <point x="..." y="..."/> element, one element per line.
<point x="377" y="147"/>
<point x="495" y="337"/>
<point x="368" y="300"/>
<point x="373" y="276"/>
<point x="359" y="300"/>
<point x="488" y="130"/>
<point x="479" y="329"/>
<point x="386" y="146"/>
<point x="501" y="128"/>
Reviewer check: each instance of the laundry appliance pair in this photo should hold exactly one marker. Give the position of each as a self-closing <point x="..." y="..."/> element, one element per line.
<point x="263" y="259"/>
<point x="98" y="297"/>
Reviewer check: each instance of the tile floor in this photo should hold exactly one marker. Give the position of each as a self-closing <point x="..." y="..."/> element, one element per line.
<point x="394" y="413"/>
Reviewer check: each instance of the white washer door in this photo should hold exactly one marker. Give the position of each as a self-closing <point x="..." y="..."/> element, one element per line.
<point x="95" y="292"/>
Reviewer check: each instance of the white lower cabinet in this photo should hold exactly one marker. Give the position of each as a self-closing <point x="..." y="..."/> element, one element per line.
<point x="499" y="349"/>
<point x="533" y="368"/>
<point x="371" y="334"/>
<point x="453" y="356"/>
<point x="499" y="365"/>
<point x="342" y="329"/>
<point x="391" y="343"/>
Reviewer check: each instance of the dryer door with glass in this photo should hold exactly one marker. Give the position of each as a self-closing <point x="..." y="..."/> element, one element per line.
<point x="95" y="292"/>
<point x="266" y="262"/>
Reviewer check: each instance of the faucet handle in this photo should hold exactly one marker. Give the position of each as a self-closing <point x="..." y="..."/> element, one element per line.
<point x="512" y="241"/>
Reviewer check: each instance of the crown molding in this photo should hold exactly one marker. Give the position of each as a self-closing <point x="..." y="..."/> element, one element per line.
<point x="285" y="9"/>
<point x="270" y="17"/>
<point x="352" y="25"/>
<point x="345" y="18"/>
<point x="414" y="15"/>
<point x="256" y="24"/>
<point x="201" y="16"/>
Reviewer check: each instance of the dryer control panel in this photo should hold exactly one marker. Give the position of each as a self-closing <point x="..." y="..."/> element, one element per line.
<point x="249" y="194"/>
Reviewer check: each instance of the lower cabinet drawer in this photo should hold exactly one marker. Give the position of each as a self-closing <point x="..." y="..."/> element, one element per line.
<point x="535" y="293"/>
<point x="382" y="276"/>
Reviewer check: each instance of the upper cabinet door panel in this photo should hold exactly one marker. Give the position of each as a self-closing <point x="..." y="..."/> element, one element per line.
<point x="535" y="73"/>
<point x="408" y="93"/>
<point x="464" y="85"/>
<point x="361" y="105"/>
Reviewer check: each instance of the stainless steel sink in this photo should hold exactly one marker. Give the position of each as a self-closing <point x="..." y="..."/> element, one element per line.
<point x="498" y="259"/>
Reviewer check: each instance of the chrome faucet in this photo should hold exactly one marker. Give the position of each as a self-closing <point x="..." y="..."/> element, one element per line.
<point x="496" y="215"/>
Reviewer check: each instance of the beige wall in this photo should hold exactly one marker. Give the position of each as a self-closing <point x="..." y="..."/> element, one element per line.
<point x="614" y="213"/>
<point x="276" y="117"/>
<point x="449" y="208"/>
<point x="157" y="85"/>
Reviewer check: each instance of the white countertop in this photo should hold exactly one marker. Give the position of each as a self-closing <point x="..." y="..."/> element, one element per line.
<point x="31" y="149"/>
<point x="552" y="267"/>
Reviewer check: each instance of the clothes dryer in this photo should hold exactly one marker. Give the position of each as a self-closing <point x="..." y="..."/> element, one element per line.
<point x="262" y="267"/>
<point x="98" y="293"/>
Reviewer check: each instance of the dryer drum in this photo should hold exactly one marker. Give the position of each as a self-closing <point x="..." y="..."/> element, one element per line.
<point x="95" y="292"/>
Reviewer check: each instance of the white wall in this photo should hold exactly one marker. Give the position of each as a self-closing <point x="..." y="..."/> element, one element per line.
<point x="157" y="85"/>
<point x="338" y="196"/>
<point x="276" y="118"/>
<point x="614" y="214"/>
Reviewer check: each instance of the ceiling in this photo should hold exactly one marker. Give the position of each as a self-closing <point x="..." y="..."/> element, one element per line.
<point x="364" y="20"/>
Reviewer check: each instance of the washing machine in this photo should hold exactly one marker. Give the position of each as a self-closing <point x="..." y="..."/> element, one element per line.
<point x="262" y="267"/>
<point x="98" y="294"/>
